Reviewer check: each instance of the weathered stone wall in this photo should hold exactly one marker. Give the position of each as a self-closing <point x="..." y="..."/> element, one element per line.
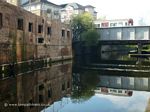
<point x="21" y="44"/>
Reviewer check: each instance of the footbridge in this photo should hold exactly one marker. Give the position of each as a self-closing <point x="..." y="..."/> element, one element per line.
<point x="131" y="35"/>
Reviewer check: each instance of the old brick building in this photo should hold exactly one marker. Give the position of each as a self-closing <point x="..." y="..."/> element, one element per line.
<point x="25" y="36"/>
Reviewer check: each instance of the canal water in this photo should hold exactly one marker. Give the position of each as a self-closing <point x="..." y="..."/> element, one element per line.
<point x="108" y="84"/>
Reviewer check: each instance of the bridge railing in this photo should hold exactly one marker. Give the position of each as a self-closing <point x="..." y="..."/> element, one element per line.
<point x="125" y="33"/>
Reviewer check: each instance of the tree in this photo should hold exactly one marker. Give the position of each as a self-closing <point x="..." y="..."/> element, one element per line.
<point x="83" y="89"/>
<point x="81" y="23"/>
<point x="90" y="37"/>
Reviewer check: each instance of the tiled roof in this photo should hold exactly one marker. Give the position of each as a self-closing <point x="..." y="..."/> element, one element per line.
<point x="74" y="5"/>
<point x="89" y="6"/>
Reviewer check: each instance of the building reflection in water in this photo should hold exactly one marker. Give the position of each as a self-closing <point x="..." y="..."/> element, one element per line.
<point x="40" y="87"/>
<point x="122" y="82"/>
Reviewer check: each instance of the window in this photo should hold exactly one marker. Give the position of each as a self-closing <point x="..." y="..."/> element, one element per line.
<point x="68" y="84"/>
<point x="40" y="98"/>
<point x="120" y="24"/>
<point x="48" y="30"/>
<point x="68" y="34"/>
<point x="30" y="27"/>
<point x="56" y="12"/>
<point x="20" y="24"/>
<point x="42" y="20"/>
<point x="104" y="24"/>
<point x="119" y="91"/>
<point x="111" y="24"/>
<point x="63" y="33"/>
<point x="49" y="93"/>
<point x="1" y="20"/>
<point x="40" y="28"/>
<point x="63" y="87"/>
<point x="40" y="40"/>
<point x="31" y="102"/>
<point x="41" y="87"/>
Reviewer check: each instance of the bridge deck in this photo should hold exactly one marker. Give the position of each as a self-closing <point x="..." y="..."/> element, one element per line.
<point x="124" y="42"/>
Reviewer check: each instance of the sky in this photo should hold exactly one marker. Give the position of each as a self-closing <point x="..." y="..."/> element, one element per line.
<point x="139" y="10"/>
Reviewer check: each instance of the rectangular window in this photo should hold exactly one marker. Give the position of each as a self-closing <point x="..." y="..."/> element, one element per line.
<point x="20" y="24"/>
<point x="68" y="84"/>
<point x="41" y="98"/>
<point x="41" y="87"/>
<point x="49" y="93"/>
<point x="1" y="20"/>
<point x="63" y="87"/>
<point x="68" y="34"/>
<point x="63" y="33"/>
<point x="30" y="27"/>
<point x="106" y="24"/>
<point x="40" y="40"/>
<point x="48" y="30"/>
<point x="40" y="28"/>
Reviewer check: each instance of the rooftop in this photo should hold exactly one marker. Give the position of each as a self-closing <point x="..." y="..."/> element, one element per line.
<point x="38" y="1"/>
<point x="74" y="5"/>
<point x="89" y="6"/>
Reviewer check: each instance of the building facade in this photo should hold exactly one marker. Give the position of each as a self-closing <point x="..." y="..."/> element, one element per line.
<point x="43" y="8"/>
<point x="25" y="36"/>
<point x="68" y="10"/>
<point x="91" y="10"/>
<point x="13" y="2"/>
<point x="71" y="9"/>
<point x="113" y="23"/>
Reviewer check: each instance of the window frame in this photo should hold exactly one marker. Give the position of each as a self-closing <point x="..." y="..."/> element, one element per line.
<point x="1" y="20"/>
<point x="40" y="28"/>
<point x="63" y="33"/>
<point x="30" y="27"/>
<point x="49" y="30"/>
<point x="20" y="24"/>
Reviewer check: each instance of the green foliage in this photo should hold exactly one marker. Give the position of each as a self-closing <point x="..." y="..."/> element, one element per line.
<point x="81" y="23"/>
<point x="83" y="29"/>
<point x="84" y="90"/>
<point x="90" y="37"/>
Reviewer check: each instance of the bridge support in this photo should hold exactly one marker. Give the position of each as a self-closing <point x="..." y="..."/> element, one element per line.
<point x="139" y="48"/>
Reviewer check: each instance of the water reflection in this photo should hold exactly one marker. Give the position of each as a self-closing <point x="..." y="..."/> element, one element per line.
<point x="109" y="93"/>
<point x="122" y="82"/>
<point x="92" y="91"/>
<point x="37" y="90"/>
<point x="63" y="88"/>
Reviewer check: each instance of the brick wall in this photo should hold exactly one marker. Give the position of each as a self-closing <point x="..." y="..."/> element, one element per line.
<point x="17" y="43"/>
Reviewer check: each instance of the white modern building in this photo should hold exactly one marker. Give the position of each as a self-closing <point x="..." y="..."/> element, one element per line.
<point x="63" y="12"/>
<point x="71" y="9"/>
<point x="91" y="10"/>
<point x="13" y="2"/>
<point x="43" y="8"/>
<point x="113" y="23"/>
<point x="113" y="91"/>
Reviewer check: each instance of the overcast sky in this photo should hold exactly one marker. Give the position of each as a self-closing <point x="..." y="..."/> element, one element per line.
<point x="117" y="9"/>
